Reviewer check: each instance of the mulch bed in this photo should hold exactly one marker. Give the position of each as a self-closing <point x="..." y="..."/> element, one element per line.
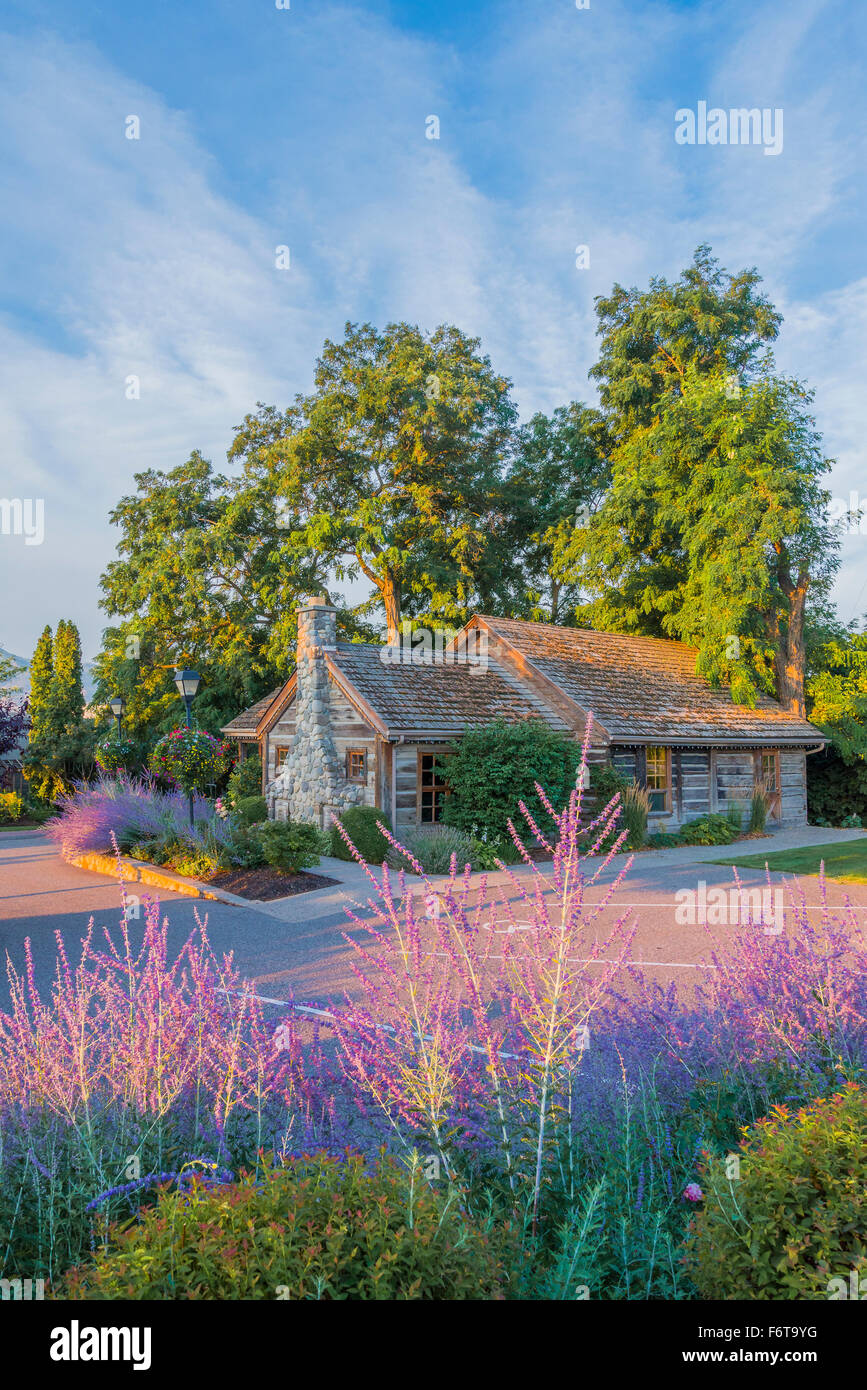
<point x="264" y="885"/>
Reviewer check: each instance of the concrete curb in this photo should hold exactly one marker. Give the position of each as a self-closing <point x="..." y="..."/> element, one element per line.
<point x="136" y="871"/>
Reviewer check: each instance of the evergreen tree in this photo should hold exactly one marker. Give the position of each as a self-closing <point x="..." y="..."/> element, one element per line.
<point x="61" y="740"/>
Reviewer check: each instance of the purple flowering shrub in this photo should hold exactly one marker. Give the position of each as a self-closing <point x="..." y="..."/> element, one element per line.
<point x="141" y="1068"/>
<point x="129" y="810"/>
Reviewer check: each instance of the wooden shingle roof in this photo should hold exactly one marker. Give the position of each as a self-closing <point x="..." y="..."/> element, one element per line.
<point x="644" y="689"/>
<point x="437" y="700"/>
<point x="245" y="725"/>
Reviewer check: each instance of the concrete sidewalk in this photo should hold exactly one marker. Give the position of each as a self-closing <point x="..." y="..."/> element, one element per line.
<point x="355" y="889"/>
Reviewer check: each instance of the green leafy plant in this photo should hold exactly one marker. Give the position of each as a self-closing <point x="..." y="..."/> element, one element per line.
<point x="194" y="863"/>
<point x="289" y="845"/>
<point x="245" y="779"/>
<point x="796" y="1217"/>
<point x="361" y="825"/>
<point x="250" y="810"/>
<point x="497" y="766"/>
<point x="710" y="829"/>
<point x="319" y="1228"/>
<point x="12" y="806"/>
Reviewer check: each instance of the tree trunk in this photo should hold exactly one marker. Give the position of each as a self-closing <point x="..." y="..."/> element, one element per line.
<point x="790" y="660"/>
<point x="389" y="587"/>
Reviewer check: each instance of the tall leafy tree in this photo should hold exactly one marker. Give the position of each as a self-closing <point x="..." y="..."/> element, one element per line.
<point x="713" y="529"/>
<point x="392" y="467"/>
<point x="206" y="575"/>
<point x="556" y="480"/>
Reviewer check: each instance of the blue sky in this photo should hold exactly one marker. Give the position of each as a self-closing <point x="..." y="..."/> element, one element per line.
<point x="306" y="127"/>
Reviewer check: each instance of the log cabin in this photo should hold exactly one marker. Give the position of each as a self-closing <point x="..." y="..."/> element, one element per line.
<point x="364" y="724"/>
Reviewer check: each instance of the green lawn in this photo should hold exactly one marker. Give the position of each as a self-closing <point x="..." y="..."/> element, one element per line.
<point x="846" y="861"/>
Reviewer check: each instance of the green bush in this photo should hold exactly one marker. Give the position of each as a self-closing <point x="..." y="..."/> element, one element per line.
<point x="12" y="807"/>
<point x="605" y="782"/>
<point x="835" y="788"/>
<point x="796" y="1218"/>
<point x="320" y="1228"/>
<point x="710" y="829"/>
<point x="244" y="846"/>
<point x="250" y="810"/>
<point x="289" y="845"/>
<point x="194" y="863"/>
<point x="246" y="778"/>
<point x="495" y="767"/>
<point x="432" y="846"/>
<point x="360" y="824"/>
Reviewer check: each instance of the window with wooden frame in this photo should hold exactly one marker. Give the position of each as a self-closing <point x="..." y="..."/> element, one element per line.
<point x="280" y="756"/>
<point x="659" y="778"/>
<point x="432" y="790"/>
<point x="356" y="765"/>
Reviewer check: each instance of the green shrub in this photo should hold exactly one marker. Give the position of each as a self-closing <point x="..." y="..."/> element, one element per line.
<point x="796" y="1218"/>
<point x="664" y="839"/>
<point x="836" y="787"/>
<point x="194" y="863"/>
<point x="250" y="810"/>
<point x="246" y="778"/>
<point x="320" y="1228"/>
<point x="605" y="782"/>
<point x="12" y="807"/>
<point x="852" y="822"/>
<point x="488" y="854"/>
<point x="360" y="824"/>
<point x="432" y="846"/>
<point x="289" y="845"/>
<point x="244" y="846"/>
<point x="635" y="801"/>
<point x="711" y="829"/>
<point x="495" y="767"/>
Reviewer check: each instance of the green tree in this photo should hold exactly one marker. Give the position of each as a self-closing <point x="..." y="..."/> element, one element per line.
<point x="205" y="576"/>
<point x="61" y="739"/>
<point x="392" y="467"/>
<point x="41" y="678"/>
<point x="8" y="668"/>
<point x="713" y="529"/>
<point x="555" y="482"/>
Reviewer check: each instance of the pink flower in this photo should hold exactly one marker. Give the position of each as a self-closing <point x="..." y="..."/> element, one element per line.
<point x="693" y="1193"/>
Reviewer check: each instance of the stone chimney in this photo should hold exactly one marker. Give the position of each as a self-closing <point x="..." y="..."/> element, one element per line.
<point x="313" y="782"/>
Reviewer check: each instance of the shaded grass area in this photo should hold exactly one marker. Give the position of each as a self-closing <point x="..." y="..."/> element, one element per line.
<point x="846" y="861"/>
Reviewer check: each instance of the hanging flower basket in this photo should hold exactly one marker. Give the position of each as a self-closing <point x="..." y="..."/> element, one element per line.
<point x="115" y="754"/>
<point x="190" y="759"/>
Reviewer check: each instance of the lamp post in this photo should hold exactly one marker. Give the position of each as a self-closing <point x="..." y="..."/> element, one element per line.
<point x="116" y="706"/>
<point x="188" y="683"/>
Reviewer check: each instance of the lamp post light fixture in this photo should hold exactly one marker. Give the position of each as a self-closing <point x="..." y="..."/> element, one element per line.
<point x="116" y="705"/>
<point x="188" y="683"/>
